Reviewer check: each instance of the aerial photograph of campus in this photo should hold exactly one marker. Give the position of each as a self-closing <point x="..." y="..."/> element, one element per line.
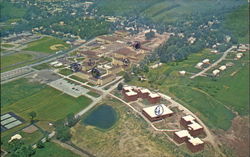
<point x="125" y="78"/>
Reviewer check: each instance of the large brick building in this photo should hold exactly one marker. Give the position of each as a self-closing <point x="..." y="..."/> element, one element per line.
<point x="149" y="112"/>
<point x="195" y="144"/>
<point x="189" y="123"/>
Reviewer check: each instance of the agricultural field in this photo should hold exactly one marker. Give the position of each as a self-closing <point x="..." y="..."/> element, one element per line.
<point x="47" y="44"/>
<point x="9" y="60"/>
<point x="205" y="96"/>
<point x="6" y="45"/>
<point x="54" y="150"/>
<point x="129" y="136"/>
<point x="238" y="23"/>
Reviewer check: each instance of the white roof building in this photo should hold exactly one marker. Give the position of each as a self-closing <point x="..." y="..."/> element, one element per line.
<point x="182" y="72"/>
<point x="195" y="141"/>
<point x="154" y="95"/>
<point x="194" y="126"/>
<point x="222" y="68"/>
<point x="144" y="90"/>
<point x="199" y="64"/>
<point x="206" y="61"/>
<point x="188" y="118"/>
<point x="151" y="110"/>
<point x="131" y="93"/>
<point x="17" y="136"/>
<point x="216" y="72"/>
<point x="183" y="133"/>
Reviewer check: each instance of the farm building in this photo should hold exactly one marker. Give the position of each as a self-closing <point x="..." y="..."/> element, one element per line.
<point x="195" y="129"/>
<point x="206" y="61"/>
<point x="181" y="136"/>
<point x="214" y="51"/>
<point x="216" y="72"/>
<point x="195" y="144"/>
<point x="222" y="68"/>
<point x="149" y="112"/>
<point x="154" y="98"/>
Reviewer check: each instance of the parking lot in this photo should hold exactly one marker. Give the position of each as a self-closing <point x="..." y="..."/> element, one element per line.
<point x="68" y="88"/>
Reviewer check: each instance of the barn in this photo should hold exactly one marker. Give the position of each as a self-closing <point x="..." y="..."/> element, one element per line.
<point x="149" y="112"/>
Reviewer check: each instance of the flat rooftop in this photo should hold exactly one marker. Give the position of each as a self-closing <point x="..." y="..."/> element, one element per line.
<point x="195" y="126"/>
<point x="151" y="110"/>
<point x="188" y="118"/>
<point x="195" y="141"/>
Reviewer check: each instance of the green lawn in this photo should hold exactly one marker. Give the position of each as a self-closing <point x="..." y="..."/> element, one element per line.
<point x="94" y="94"/>
<point x="238" y="23"/>
<point x="18" y="89"/>
<point x="9" y="60"/>
<point x="49" y="104"/>
<point x="54" y="150"/>
<point x="78" y="79"/>
<point x="44" y="45"/>
<point x="66" y="72"/>
<point x="42" y="66"/>
<point x="208" y="97"/>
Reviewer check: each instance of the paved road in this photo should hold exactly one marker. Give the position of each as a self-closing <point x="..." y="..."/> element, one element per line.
<point x="213" y="65"/>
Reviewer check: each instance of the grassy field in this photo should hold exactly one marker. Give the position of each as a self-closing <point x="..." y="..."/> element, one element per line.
<point x="44" y="45"/>
<point x="78" y="79"/>
<point x="238" y="23"/>
<point x="19" y="89"/>
<point x="54" y="150"/>
<point x="94" y="94"/>
<point x="130" y="136"/>
<point x="8" y="60"/>
<point x="207" y="97"/>
<point x="42" y="66"/>
<point x="49" y="104"/>
<point x="66" y="72"/>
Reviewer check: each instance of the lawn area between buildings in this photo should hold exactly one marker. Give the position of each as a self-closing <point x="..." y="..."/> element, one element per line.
<point x="66" y="72"/>
<point x="94" y="94"/>
<point x="47" y="45"/>
<point x="208" y="97"/>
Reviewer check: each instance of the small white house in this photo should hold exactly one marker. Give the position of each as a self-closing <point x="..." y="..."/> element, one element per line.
<point x="199" y="65"/>
<point x="222" y="68"/>
<point x="216" y="72"/>
<point x="239" y="55"/>
<point x="182" y="72"/>
<point x="206" y="61"/>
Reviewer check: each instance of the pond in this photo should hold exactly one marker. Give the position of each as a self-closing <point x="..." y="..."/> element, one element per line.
<point x="103" y="117"/>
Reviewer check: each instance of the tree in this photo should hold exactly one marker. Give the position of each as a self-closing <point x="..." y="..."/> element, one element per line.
<point x="63" y="133"/>
<point x="120" y="86"/>
<point x="71" y="120"/>
<point x="40" y="144"/>
<point x="127" y="77"/>
<point x="32" y="116"/>
<point x="150" y="35"/>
